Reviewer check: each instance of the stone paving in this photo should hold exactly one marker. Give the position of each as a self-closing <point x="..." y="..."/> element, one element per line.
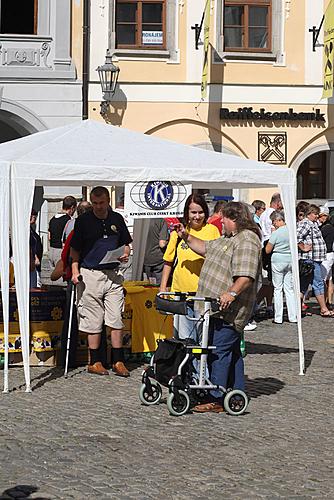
<point x="89" y="437"/>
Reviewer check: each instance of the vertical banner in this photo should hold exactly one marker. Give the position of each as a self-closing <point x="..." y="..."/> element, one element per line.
<point x="328" y="62"/>
<point x="204" y="83"/>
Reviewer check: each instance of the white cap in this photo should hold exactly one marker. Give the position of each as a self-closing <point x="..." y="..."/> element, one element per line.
<point x="324" y="210"/>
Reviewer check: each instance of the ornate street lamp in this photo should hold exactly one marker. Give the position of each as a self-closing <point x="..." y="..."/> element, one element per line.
<point x="108" y="74"/>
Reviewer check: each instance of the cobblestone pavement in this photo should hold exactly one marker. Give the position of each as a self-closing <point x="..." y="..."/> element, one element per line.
<point x="89" y="437"/>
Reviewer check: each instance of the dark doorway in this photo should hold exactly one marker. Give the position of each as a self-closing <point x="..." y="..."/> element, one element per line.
<point x="19" y="17"/>
<point x="311" y="177"/>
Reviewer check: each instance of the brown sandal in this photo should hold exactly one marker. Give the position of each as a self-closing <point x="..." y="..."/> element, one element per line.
<point x="208" y="407"/>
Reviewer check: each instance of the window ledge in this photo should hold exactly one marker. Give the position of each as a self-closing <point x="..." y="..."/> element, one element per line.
<point x="142" y="53"/>
<point x="248" y="56"/>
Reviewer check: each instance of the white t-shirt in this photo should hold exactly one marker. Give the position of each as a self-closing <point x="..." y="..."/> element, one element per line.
<point x="266" y="223"/>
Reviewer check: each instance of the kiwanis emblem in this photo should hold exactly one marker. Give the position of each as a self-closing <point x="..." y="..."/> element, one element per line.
<point x="148" y="304"/>
<point x="159" y="194"/>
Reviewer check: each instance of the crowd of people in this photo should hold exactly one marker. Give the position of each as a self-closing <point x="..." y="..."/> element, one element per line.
<point x="240" y="254"/>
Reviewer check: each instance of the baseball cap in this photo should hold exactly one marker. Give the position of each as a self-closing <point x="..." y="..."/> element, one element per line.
<point x="324" y="210"/>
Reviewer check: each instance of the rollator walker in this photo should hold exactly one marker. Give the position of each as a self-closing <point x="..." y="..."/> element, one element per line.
<point x="181" y="366"/>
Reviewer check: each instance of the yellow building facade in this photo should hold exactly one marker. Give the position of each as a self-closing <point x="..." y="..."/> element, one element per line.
<point x="264" y="93"/>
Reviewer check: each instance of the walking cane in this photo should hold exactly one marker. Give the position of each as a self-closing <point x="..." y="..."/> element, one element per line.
<point x="70" y="325"/>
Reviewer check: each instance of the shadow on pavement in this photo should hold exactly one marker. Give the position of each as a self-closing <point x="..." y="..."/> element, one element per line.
<point x="52" y="374"/>
<point x="21" y="491"/>
<point x="263" y="386"/>
<point x="256" y="348"/>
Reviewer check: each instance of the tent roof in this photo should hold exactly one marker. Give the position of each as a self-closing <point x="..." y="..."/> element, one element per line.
<point x="90" y="152"/>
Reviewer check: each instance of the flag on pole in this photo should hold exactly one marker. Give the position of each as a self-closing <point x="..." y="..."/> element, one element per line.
<point x="204" y="83"/>
<point x="328" y="60"/>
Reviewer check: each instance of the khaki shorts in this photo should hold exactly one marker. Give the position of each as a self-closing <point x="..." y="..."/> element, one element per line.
<point x="100" y="300"/>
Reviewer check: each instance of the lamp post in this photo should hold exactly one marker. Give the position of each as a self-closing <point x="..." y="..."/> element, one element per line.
<point x="108" y="74"/>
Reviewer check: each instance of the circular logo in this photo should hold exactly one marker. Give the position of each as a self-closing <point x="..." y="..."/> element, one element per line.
<point x="158" y="194"/>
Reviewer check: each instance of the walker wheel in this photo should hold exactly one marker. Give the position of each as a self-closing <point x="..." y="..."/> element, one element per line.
<point x="178" y="403"/>
<point x="150" y="396"/>
<point x="235" y="402"/>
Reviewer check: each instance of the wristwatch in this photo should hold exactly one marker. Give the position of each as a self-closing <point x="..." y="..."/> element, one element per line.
<point x="234" y="294"/>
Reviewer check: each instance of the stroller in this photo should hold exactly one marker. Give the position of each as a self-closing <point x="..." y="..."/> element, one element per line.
<point x="173" y="365"/>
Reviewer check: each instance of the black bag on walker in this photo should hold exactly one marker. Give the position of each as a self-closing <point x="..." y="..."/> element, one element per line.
<point x="167" y="358"/>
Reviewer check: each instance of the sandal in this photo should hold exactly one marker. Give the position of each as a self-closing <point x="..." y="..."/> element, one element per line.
<point x="208" y="407"/>
<point x="327" y="314"/>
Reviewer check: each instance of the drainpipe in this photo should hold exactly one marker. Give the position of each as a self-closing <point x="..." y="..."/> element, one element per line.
<point x="85" y="57"/>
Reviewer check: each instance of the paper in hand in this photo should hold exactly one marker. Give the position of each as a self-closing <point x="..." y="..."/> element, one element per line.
<point x="111" y="256"/>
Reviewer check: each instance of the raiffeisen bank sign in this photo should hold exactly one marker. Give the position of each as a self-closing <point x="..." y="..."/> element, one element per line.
<point x="247" y="114"/>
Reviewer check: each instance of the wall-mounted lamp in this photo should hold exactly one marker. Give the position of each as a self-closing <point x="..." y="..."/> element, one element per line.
<point x="108" y="74"/>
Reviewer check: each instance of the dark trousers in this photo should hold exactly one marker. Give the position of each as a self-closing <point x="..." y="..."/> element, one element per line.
<point x="226" y="365"/>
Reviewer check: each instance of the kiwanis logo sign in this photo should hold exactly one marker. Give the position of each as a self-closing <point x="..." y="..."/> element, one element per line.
<point x="154" y="199"/>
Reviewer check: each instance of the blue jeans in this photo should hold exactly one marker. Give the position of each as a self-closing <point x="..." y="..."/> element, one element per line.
<point x="184" y="328"/>
<point x="226" y="365"/>
<point x="315" y="279"/>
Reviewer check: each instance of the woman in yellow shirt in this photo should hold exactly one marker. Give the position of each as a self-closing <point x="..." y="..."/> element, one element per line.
<point x="188" y="263"/>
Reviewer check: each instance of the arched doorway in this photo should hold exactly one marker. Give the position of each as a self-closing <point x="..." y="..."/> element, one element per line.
<point x="313" y="177"/>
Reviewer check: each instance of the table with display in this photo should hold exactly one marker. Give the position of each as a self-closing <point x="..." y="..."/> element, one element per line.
<point x="143" y="325"/>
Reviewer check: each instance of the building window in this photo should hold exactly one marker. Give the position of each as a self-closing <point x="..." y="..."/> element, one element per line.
<point x="247" y="26"/>
<point x="18" y="17"/>
<point x="140" y="24"/>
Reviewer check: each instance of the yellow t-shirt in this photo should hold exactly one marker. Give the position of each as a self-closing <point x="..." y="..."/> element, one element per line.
<point x="189" y="263"/>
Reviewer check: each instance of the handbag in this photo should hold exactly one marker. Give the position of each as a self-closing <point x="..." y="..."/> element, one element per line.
<point x="306" y="268"/>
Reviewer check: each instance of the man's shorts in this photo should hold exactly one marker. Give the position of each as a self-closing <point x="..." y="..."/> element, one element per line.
<point x="100" y="300"/>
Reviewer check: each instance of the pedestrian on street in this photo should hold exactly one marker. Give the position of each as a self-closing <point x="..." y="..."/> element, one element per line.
<point x="230" y="272"/>
<point x="100" y="296"/>
<point x="281" y="265"/>
<point x="56" y="227"/>
<point x="312" y="249"/>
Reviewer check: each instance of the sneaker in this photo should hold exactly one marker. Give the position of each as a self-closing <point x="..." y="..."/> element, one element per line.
<point x="250" y="326"/>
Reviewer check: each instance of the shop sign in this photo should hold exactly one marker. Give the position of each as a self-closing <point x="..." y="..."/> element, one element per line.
<point x="272" y="147"/>
<point x="154" y="199"/>
<point x="247" y="114"/>
<point x="152" y="37"/>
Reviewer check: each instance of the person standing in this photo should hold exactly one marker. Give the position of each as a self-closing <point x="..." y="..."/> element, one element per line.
<point x="216" y="217"/>
<point x="36" y="248"/>
<point x="156" y="243"/>
<point x="259" y="207"/>
<point x="100" y="296"/>
<point x="265" y="220"/>
<point x="56" y="227"/>
<point x="281" y="264"/>
<point x="230" y="271"/>
<point x="312" y="249"/>
<point x="185" y="265"/>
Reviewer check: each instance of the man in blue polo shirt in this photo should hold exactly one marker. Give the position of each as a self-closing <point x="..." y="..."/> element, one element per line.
<point x="100" y="298"/>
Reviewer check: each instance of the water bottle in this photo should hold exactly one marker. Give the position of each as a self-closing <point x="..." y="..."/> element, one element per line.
<point x="243" y="345"/>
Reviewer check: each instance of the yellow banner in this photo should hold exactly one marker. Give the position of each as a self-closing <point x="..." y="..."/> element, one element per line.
<point x="328" y="63"/>
<point x="204" y="83"/>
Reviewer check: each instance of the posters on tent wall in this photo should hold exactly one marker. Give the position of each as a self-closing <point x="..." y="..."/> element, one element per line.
<point x="154" y="199"/>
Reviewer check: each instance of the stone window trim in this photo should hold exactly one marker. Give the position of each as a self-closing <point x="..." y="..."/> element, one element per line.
<point x="276" y="55"/>
<point x="46" y="55"/>
<point x="170" y="54"/>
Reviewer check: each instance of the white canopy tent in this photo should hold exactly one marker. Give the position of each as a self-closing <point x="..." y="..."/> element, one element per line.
<point x="91" y="153"/>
